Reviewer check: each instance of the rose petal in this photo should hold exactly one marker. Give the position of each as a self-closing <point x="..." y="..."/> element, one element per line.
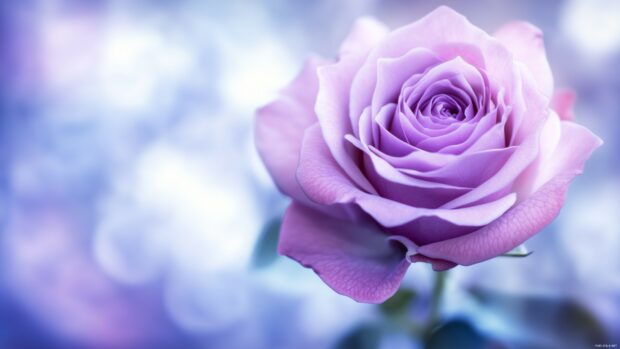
<point x="441" y="27"/>
<point x="413" y="256"/>
<point x="325" y="183"/>
<point x="522" y="157"/>
<point x="550" y="135"/>
<point x="280" y="126"/>
<point x="420" y="160"/>
<point x="456" y="70"/>
<point x="355" y="260"/>
<point x="365" y="33"/>
<point x="574" y="147"/>
<point x="562" y="102"/>
<point x="385" y="140"/>
<point x="422" y="196"/>
<point x="488" y="134"/>
<point x="438" y="264"/>
<point x="332" y="101"/>
<point x="531" y="215"/>
<point x="525" y="41"/>
<point x="468" y="170"/>
<point x="458" y="136"/>
<point x="393" y="72"/>
<point x="387" y="171"/>
<point x="415" y="131"/>
<point x="427" y="230"/>
<point x="507" y="232"/>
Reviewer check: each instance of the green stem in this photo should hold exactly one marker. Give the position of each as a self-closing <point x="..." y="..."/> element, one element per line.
<point x="434" y="316"/>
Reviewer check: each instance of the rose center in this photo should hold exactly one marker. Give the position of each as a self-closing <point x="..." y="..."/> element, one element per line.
<point x="443" y="107"/>
<point x="445" y="110"/>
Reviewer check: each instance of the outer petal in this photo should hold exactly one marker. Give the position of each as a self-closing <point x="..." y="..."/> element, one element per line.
<point x="280" y="126"/>
<point x="575" y="146"/>
<point x="562" y="102"/>
<point x="531" y="215"/>
<point x="522" y="157"/>
<point x="333" y="98"/>
<point x="355" y="260"/>
<point x="364" y="34"/>
<point x="550" y="136"/>
<point x="525" y="41"/>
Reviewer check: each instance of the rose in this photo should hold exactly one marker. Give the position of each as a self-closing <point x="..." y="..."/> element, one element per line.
<point x="435" y="142"/>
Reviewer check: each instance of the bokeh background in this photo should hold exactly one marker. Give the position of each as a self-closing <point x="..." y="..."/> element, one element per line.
<point x="135" y="213"/>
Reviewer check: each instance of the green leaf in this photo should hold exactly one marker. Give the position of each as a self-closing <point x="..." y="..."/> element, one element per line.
<point x="519" y="251"/>
<point x="398" y="303"/>
<point x="266" y="248"/>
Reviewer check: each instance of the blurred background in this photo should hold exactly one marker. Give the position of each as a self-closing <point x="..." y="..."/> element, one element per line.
<point x="135" y="213"/>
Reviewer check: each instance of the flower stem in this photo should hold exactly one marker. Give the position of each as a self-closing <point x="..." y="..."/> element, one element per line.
<point x="434" y="316"/>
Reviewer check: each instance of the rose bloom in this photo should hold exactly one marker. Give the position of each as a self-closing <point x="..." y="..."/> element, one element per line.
<point x="435" y="143"/>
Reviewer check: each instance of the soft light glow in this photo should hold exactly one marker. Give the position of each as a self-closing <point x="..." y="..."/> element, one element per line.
<point x="593" y="25"/>
<point x="249" y="83"/>
<point x="138" y="63"/>
<point x="193" y="213"/>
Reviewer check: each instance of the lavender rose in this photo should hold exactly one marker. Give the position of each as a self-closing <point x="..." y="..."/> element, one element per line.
<point x="435" y="143"/>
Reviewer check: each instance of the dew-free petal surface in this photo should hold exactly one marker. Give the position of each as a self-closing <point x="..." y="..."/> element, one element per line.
<point x="355" y="260"/>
